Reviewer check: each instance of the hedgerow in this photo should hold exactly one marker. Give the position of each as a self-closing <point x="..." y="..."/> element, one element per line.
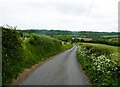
<point x="101" y="64"/>
<point x="20" y="52"/>
<point x="12" y="54"/>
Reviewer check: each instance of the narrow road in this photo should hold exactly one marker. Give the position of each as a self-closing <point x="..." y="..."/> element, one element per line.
<point x="63" y="69"/>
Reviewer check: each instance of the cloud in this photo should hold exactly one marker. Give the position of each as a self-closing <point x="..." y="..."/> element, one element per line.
<point x="68" y="9"/>
<point x="61" y="14"/>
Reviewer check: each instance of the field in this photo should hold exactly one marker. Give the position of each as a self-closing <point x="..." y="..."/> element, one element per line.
<point x="100" y="62"/>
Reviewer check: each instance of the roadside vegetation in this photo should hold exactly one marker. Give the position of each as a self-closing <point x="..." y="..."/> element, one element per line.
<point x="100" y="62"/>
<point x="0" y="56"/>
<point x="22" y="50"/>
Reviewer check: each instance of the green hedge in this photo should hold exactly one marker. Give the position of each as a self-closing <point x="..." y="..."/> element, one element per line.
<point x="20" y="53"/>
<point x="101" y="63"/>
<point x="12" y="54"/>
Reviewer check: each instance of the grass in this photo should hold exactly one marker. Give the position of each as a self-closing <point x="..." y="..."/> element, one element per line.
<point x="47" y="47"/>
<point x="34" y="49"/>
<point x="101" y="63"/>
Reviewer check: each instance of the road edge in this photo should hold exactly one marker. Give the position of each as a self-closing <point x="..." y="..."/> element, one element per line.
<point x="27" y="72"/>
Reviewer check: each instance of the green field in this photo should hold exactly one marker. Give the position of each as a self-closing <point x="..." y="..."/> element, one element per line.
<point x="100" y="62"/>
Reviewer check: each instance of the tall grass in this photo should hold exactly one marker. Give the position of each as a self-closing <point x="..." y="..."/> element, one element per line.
<point x="38" y="48"/>
<point x="101" y="63"/>
<point x="21" y="53"/>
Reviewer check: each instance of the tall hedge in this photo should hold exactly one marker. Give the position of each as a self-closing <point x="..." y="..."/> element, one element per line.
<point x="11" y="54"/>
<point x="21" y="52"/>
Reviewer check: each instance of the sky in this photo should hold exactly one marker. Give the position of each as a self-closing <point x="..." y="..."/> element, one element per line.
<point x="73" y="15"/>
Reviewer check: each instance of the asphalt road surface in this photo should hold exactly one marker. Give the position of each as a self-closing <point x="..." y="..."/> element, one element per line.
<point x="62" y="69"/>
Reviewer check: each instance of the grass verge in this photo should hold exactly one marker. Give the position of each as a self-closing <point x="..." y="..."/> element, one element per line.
<point x="21" y="53"/>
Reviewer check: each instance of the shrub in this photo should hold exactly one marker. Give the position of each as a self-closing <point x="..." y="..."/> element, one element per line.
<point x="11" y="54"/>
<point x="99" y="64"/>
<point x="19" y="54"/>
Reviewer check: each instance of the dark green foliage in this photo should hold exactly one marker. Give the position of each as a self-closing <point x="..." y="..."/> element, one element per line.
<point x="75" y="40"/>
<point x="11" y="54"/>
<point x="75" y="34"/>
<point x="48" y="32"/>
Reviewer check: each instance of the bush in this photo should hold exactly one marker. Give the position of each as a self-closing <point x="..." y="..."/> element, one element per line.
<point x="19" y="54"/>
<point x="101" y="63"/>
<point x="11" y="54"/>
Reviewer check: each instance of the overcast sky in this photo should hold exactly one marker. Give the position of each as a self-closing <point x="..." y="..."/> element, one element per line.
<point x="74" y="15"/>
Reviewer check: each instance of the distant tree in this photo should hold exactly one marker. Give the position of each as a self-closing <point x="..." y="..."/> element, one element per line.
<point x="82" y="40"/>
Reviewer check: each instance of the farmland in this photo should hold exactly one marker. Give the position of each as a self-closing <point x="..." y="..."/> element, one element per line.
<point x="109" y="38"/>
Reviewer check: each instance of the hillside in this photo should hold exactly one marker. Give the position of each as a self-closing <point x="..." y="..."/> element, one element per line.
<point x="90" y="34"/>
<point x="20" y="53"/>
